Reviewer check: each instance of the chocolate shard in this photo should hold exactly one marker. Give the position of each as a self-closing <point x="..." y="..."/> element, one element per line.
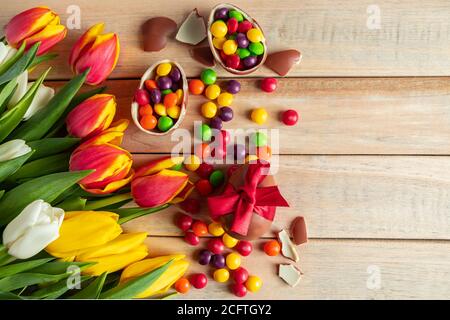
<point x="203" y="55"/>
<point x="156" y="31"/>
<point x="282" y="61"/>
<point x="290" y="274"/>
<point x="298" y="231"/>
<point x="193" y="29"/>
<point x="288" y="249"/>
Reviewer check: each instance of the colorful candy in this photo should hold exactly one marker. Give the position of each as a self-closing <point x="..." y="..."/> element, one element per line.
<point x="233" y="261"/>
<point x="226" y="114"/>
<point x="232" y="25"/>
<point x="170" y="100"/>
<point x="204" y="151"/>
<point x="229" y="47"/>
<point x="184" y="222"/>
<point x="192" y="162"/>
<point x="244" y="26"/>
<point x="244" y="247"/>
<point x="239" y="151"/>
<point x="209" y="109"/>
<point x="204" y="257"/>
<point x="163" y="69"/>
<point x="218" y="261"/>
<point x="150" y="84"/>
<point x="142" y="97"/>
<point x="203" y="187"/>
<point x="199" y="228"/>
<point x="208" y="76"/>
<point x="219" y="29"/>
<point x="212" y="91"/>
<point x="216" y="178"/>
<point x="173" y="112"/>
<point x="236" y="15"/>
<point x="259" y="115"/>
<point x="148" y="122"/>
<point x="204" y="171"/>
<point x="225" y="99"/>
<point x="272" y="248"/>
<point x="229" y="241"/>
<point x="264" y="153"/>
<point x="221" y="275"/>
<point x="242" y="42"/>
<point x="199" y="280"/>
<point x="205" y="132"/>
<point x="216" y="123"/>
<point x="255" y="35"/>
<point x="164" y="83"/>
<point x="182" y="285"/>
<point x="191" y="238"/>
<point x="239" y="290"/>
<point x="165" y="123"/>
<point x="196" y="86"/>
<point x="240" y="275"/>
<point x="233" y="61"/>
<point x="259" y="139"/>
<point x="269" y="84"/>
<point x="233" y="86"/>
<point x="215" y="228"/>
<point x="216" y="245"/>
<point x="253" y="283"/>
<point x="218" y="43"/>
<point x="145" y="110"/>
<point x="290" y="117"/>
<point x="221" y="14"/>
<point x="190" y="205"/>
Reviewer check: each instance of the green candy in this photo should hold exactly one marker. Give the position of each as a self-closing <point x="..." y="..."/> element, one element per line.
<point x="205" y="132"/>
<point x="166" y="91"/>
<point x="256" y="48"/>
<point x="208" y="76"/>
<point x="165" y="123"/>
<point x="216" y="178"/>
<point x="243" y="53"/>
<point x="232" y="37"/>
<point x="236" y="14"/>
<point x="259" y="139"/>
<point x="177" y="167"/>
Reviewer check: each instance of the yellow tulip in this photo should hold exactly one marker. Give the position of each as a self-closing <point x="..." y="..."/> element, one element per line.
<point x="175" y="271"/>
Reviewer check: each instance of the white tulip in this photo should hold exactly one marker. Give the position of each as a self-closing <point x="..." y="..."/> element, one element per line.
<point x="13" y="149"/>
<point x="6" y="52"/>
<point x="22" y="83"/>
<point x="33" y="229"/>
<point x="40" y="100"/>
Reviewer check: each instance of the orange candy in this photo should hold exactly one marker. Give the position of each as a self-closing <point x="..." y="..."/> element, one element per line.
<point x="204" y="151"/>
<point x="196" y="86"/>
<point x="182" y="285"/>
<point x="170" y="100"/>
<point x="264" y="153"/>
<point x="150" y="84"/>
<point x="145" y="110"/>
<point x="148" y="122"/>
<point x="199" y="228"/>
<point x="272" y="248"/>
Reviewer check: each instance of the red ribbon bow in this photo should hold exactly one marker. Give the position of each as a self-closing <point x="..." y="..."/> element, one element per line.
<point x="249" y="198"/>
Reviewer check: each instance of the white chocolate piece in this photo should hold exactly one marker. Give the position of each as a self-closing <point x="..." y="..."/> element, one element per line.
<point x="192" y="30"/>
<point x="288" y="249"/>
<point x="290" y="274"/>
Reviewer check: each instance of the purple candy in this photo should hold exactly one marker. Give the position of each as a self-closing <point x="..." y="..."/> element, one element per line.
<point x="221" y="14"/>
<point x="216" y="123"/>
<point x="242" y="40"/>
<point x="226" y="113"/>
<point x="175" y="74"/>
<point x="204" y="257"/>
<point x="233" y="86"/>
<point x="250" y="62"/>
<point x="218" y="261"/>
<point x="239" y="152"/>
<point x="155" y="96"/>
<point x="164" y="83"/>
<point x="175" y="86"/>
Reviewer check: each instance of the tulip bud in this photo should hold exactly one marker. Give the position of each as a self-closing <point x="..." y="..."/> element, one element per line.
<point x="33" y="229"/>
<point x="38" y="24"/>
<point x="96" y="51"/>
<point x="13" y="149"/>
<point x="91" y="116"/>
<point x="6" y="52"/>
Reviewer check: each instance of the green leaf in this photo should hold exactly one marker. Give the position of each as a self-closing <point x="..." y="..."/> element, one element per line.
<point x="60" y="267"/>
<point x="72" y="204"/>
<point x="135" y="286"/>
<point x="56" y="290"/>
<point x="127" y="214"/>
<point x="9" y="296"/>
<point x="12" y="118"/>
<point x="93" y="290"/>
<point x="6" y="94"/>
<point x="20" y="65"/>
<point x="8" y="63"/>
<point x="19" y="267"/>
<point x="43" y="166"/>
<point x="21" y="280"/>
<point x="2" y="192"/>
<point x="41" y="122"/>
<point x="42" y="58"/>
<point x="104" y="202"/>
<point x="47" y="188"/>
<point x="8" y="167"/>
<point x="50" y="146"/>
<point x="79" y="98"/>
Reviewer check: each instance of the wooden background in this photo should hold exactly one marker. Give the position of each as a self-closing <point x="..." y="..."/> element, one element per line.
<point x="368" y="165"/>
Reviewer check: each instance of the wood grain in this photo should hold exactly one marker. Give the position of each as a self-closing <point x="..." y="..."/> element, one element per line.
<point x="413" y="38"/>
<point x="350" y="197"/>
<point x="344" y="269"/>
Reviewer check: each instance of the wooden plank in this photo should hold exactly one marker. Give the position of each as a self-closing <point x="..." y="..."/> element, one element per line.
<point x="350" y="197"/>
<point x="336" y="270"/>
<point x="338" y="115"/>
<point x="412" y="38"/>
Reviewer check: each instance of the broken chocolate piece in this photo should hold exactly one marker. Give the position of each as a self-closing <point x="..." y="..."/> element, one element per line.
<point x="298" y="231"/>
<point x="288" y="249"/>
<point x="203" y="55"/>
<point x="156" y="31"/>
<point x="289" y="273"/>
<point x="281" y="62"/>
<point x="193" y="29"/>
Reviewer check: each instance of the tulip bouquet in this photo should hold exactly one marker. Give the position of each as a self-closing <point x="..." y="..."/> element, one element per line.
<point x="64" y="178"/>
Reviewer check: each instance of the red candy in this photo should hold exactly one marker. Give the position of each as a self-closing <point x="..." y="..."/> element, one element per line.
<point x="232" y="61"/>
<point x="240" y="275"/>
<point x="269" y="84"/>
<point x="219" y="153"/>
<point x="290" y="117"/>
<point x="239" y="290"/>
<point x="223" y="56"/>
<point x="184" y="222"/>
<point x="199" y="280"/>
<point x="244" y="26"/>
<point x="191" y="206"/>
<point x="142" y="97"/>
<point x="191" y="238"/>
<point x="232" y="25"/>
<point x="199" y="228"/>
<point x="225" y="136"/>
<point x="244" y="248"/>
<point x="203" y="187"/>
<point x="216" y="246"/>
<point x="204" y="171"/>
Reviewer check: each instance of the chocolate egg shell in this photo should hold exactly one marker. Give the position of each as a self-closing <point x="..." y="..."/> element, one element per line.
<point x="298" y="231"/>
<point x="282" y="61"/>
<point x="156" y="31"/>
<point x="150" y="74"/>
<point x="216" y="52"/>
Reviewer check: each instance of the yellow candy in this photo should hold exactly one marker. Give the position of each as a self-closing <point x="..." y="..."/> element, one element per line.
<point x="255" y="35"/>
<point x="179" y="94"/>
<point x="174" y="112"/>
<point x="216" y="229"/>
<point x="229" y="241"/>
<point x="229" y="47"/>
<point x="225" y="99"/>
<point x="218" y="42"/>
<point x="219" y="29"/>
<point x="212" y="91"/>
<point x="253" y="283"/>
<point x="250" y="158"/>
<point x="163" y="69"/>
<point x="221" y="275"/>
<point x="209" y="109"/>
<point x="259" y="115"/>
<point x="160" y="109"/>
<point x="233" y="261"/>
<point x="192" y="162"/>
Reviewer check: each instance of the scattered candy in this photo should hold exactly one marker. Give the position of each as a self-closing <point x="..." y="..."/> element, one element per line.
<point x="208" y="76"/>
<point x="244" y="248"/>
<point x="165" y="123"/>
<point x="199" y="228"/>
<point x="216" y="178"/>
<point x="253" y="283"/>
<point x="203" y="187"/>
<point x="191" y="206"/>
<point x="205" y="132"/>
<point x="264" y="153"/>
<point x="259" y="115"/>
<point x="182" y="285"/>
<point x="239" y="290"/>
<point x="221" y="275"/>
<point x="269" y="84"/>
<point x="290" y="117"/>
<point x="233" y="261"/>
<point x="233" y="86"/>
<point x="216" y="123"/>
<point x="218" y="261"/>
<point x="192" y="162"/>
<point x="191" y="238"/>
<point x="184" y="222"/>
<point x="240" y="275"/>
<point x="212" y="91"/>
<point x="225" y="99"/>
<point x="204" y="151"/>
<point x="199" y="280"/>
<point x="272" y="248"/>
<point x="215" y="228"/>
<point x="259" y="139"/>
<point x="226" y="114"/>
<point x="209" y="109"/>
<point x="226" y="137"/>
<point x="196" y="86"/>
<point x="204" y="171"/>
<point x="215" y="245"/>
<point x="204" y="257"/>
<point x="229" y="241"/>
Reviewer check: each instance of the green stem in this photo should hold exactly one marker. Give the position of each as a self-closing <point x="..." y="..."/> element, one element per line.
<point x="5" y="258"/>
<point x="127" y="214"/>
<point x="97" y="204"/>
